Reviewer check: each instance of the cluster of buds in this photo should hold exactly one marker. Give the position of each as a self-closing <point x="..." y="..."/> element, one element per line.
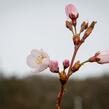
<point x="88" y="30"/>
<point x="40" y="60"/>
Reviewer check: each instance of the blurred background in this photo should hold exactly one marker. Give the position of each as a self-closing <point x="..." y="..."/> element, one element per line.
<point x="35" y="24"/>
<point x="40" y="92"/>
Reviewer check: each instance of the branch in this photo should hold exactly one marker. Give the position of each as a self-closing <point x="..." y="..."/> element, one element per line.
<point x="59" y="97"/>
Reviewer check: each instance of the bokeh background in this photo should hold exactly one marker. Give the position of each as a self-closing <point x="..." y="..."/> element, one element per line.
<point x="30" y="24"/>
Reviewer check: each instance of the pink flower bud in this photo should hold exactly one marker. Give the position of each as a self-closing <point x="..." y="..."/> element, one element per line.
<point x="66" y="63"/>
<point x="103" y="57"/>
<point x="70" y="9"/>
<point x="54" y="67"/>
<point x="71" y="12"/>
<point x="100" y="57"/>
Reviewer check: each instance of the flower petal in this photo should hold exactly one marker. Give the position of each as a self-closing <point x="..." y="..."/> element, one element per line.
<point x="104" y="57"/>
<point x="105" y="52"/>
<point x="71" y="9"/>
<point x="46" y="61"/>
<point x="44" y="54"/>
<point x="40" y="68"/>
<point x="31" y="61"/>
<point x="35" y="52"/>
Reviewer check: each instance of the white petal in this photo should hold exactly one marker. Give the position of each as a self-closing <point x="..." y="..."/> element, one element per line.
<point x="35" y="52"/>
<point x="105" y="52"/>
<point x="43" y="53"/>
<point x="40" y="68"/>
<point x="31" y="61"/>
<point x="104" y="59"/>
<point x="46" y="61"/>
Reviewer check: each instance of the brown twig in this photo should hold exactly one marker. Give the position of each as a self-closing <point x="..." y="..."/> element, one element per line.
<point x="73" y="58"/>
<point x="59" y="97"/>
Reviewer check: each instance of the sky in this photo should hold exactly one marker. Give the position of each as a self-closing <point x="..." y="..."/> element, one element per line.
<point x="36" y="24"/>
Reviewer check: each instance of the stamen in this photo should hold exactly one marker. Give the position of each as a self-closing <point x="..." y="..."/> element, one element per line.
<point x="39" y="59"/>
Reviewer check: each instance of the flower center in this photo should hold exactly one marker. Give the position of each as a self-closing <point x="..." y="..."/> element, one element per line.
<point x="39" y="59"/>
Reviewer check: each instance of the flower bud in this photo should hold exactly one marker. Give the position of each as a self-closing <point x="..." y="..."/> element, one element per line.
<point x="76" y="39"/>
<point x="66" y="63"/>
<point x="100" y="57"/>
<point x="94" y="58"/>
<point x="84" y="26"/>
<point x="69" y="25"/>
<point x="63" y="77"/>
<point x="72" y="13"/>
<point x="89" y="30"/>
<point x="76" y="66"/>
<point x="54" y="67"/>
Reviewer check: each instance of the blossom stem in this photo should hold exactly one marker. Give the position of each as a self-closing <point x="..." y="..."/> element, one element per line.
<point x="75" y="52"/>
<point x="72" y="31"/>
<point x="84" y="62"/>
<point x="72" y="61"/>
<point x="59" y="97"/>
<point x="75" y="29"/>
<point x="73" y="58"/>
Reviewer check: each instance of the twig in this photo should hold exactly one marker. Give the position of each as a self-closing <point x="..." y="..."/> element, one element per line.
<point x="59" y="97"/>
